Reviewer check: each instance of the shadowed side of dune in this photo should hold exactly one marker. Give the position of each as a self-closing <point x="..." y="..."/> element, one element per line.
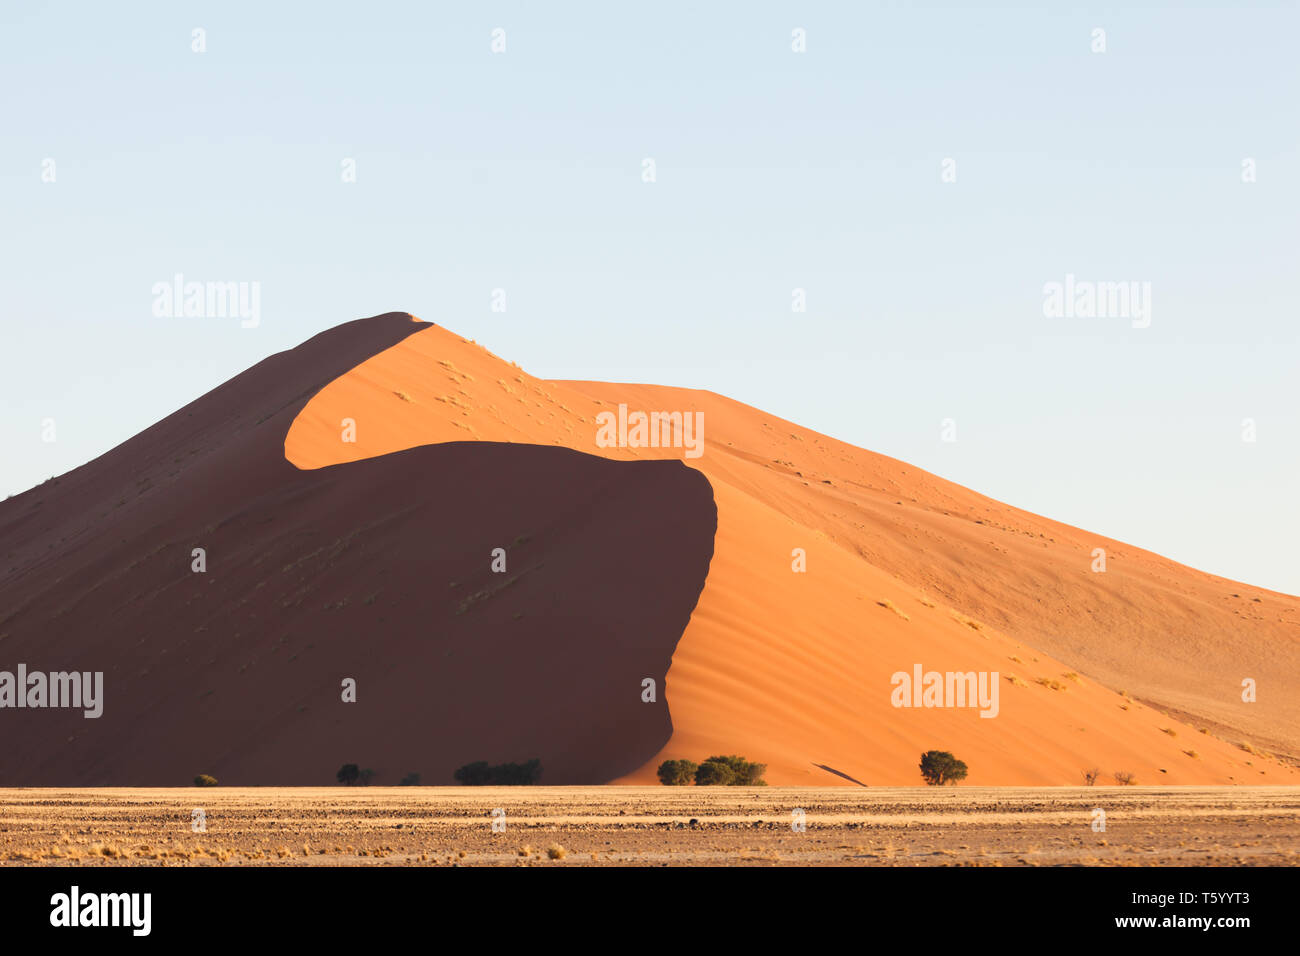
<point x="379" y="571"/>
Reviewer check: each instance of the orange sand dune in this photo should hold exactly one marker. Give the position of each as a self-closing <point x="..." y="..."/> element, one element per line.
<point x="903" y="568"/>
<point x="375" y="571"/>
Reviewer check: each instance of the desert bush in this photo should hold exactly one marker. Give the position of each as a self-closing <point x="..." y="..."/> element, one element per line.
<point x="481" y="774"/>
<point x="204" y="780"/>
<point x="1090" y="776"/>
<point x="476" y="774"/>
<point x="713" y="773"/>
<point x="939" y="767"/>
<point x="1124" y="778"/>
<point x="677" y="773"/>
<point x="744" y="773"/>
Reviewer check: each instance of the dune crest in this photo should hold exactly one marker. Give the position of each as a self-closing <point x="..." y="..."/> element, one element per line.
<point x="480" y="596"/>
<point x="793" y="668"/>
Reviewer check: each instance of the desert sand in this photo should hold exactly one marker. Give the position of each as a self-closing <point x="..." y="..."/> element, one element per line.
<point x="903" y="567"/>
<point x="370" y="559"/>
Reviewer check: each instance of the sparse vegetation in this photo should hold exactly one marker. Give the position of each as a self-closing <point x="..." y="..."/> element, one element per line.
<point x="1090" y="777"/>
<point x="939" y="767"/>
<point x="1169" y="730"/>
<point x="403" y="396"/>
<point x="889" y="605"/>
<point x="481" y="774"/>
<point x="712" y="774"/>
<point x="1124" y="778"/>
<point x="1052" y="683"/>
<point x="348" y="774"/>
<point x="410" y="780"/>
<point x="205" y="780"/>
<point x="556" y="852"/>
<point x="677" y="773"/>
<point x="731" y="771"/>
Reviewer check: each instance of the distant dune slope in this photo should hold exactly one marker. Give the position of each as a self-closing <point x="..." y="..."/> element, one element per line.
<point x="376" y="570"/>
<point x="903" y="568"/>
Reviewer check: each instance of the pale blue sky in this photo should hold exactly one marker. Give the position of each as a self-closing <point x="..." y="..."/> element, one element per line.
<point x="775" y="170"/>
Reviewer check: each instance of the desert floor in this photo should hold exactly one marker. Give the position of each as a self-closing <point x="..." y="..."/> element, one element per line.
<point x="612" y="826"/>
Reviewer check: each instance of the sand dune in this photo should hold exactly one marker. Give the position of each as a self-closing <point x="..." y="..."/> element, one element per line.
<point x="903" y="568"/>
<point x="349" y="493"/>
<point x="378" y="571"/>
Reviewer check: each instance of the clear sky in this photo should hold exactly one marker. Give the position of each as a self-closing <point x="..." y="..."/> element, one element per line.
<point x="774" y="170"/>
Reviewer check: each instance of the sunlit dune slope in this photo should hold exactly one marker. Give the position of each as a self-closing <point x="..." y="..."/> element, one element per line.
<point x="902" y="568"/>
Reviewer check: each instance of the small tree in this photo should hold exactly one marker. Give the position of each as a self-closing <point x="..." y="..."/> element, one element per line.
<point x="348" y="774"/>
<point x="410" y="780"/>
<point x="479" y="774"/>
<point x="939" y="767"/>
<point x="744" y="773"/>
<point x="714" y="773"/>
<point x="476" y="774"/>
<point x="366" y="775"/>
<point x="1090" y="776"/>
<point x="524" y="774"/>
<point x="1124" y="778"/>
<point x="677" y="773"/>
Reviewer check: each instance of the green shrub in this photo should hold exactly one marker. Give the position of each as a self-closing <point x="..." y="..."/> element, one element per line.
<point x="714" y="773"/>
<point x="677" y="773"/>
<point x="743" y="772"/>
<point x="203" y="780"/>
<point x="939" y="767"/>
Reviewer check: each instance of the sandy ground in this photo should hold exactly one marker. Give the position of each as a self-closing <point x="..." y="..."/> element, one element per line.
<point x="612" y="826"/>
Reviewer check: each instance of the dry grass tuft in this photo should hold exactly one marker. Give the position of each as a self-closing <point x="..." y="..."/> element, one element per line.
<point x="889" y="605"/>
